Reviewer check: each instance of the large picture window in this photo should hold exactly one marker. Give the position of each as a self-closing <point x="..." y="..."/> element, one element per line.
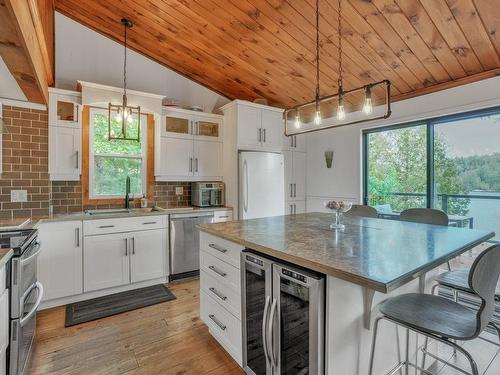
<point x="112" y="161"/>
<point x="450" y="163"/>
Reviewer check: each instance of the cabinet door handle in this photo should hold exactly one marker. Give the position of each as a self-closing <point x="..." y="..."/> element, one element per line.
<point x="126" y="247"/>
<point x="133" y="245"/>
<point x="216" y="321"/>
<point x="77" y="154"/>
<point x="295" y="209"/>
<point x="291" y="141"/>
<point x="77" y="236"/>
<point x="224" y="217"/>
<point x="295" y="141"/>
<point x="218" y="294"/>
<point x="190" y="164"/>
<point x="215" y="247"/>
<point x="218" y="272"/>
<point x="295" y="190"/>
<point x="264" y="130"/>
<point x="259" y="132"/>
<point x="291" y="209"/>
<point x="196" y="164"/>
<point x="291" y="190"/>
<point x="106" y="226"/>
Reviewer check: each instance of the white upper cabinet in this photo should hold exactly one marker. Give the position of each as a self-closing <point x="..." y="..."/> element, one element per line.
<point x="294" y="143"/>
<point x="175" y="159"/>
<point x="207" y="159"/>
<point x="65" y="108"/>
<point x="64" y="153"/>
<point x="65" y="128"/>
<point x="258" y="127"/>
<point x="295" y="175"/>
<point x="188" y="146"/>
<point x="60" y="259"/>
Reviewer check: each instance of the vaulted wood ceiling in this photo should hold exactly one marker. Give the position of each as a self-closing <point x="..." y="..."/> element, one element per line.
<point x="251" y="49"/>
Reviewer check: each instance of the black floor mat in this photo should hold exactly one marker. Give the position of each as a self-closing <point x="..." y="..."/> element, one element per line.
<point x="101" y="307"/>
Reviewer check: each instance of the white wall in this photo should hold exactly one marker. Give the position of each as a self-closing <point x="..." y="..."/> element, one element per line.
<point x="8" y="85"/>
<point x="83" y="54"/>
<point x="344" y="179"/>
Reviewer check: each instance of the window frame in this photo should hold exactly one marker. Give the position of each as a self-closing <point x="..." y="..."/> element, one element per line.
<point x="430" y="124"/>
<point x="143" y="156"/>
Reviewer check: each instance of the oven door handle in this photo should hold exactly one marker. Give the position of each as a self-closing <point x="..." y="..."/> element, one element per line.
<point x="38" y="245"/>
<point x="25" y="319"/>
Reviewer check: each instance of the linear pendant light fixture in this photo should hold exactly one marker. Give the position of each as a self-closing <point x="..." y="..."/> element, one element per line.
<point x="123" y="113"/>
<point x="365" y="103"/>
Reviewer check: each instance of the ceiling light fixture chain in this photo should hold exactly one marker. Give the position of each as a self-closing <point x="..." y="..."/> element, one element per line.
<point x="125" y="25"/>
<point x="359" y="112"/>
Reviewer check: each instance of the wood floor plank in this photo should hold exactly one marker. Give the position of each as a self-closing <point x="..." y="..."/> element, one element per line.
<point x="167" y="338"/>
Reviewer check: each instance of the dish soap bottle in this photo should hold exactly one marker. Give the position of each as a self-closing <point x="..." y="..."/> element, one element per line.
<point x="144" y="201"/>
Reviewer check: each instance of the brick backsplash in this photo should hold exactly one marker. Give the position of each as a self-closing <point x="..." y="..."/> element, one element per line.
<point x="25" y="162"/>
<point x="25" y="167"/>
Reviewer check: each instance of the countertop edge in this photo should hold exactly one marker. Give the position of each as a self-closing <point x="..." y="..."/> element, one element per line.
<point x="378" y="286"/>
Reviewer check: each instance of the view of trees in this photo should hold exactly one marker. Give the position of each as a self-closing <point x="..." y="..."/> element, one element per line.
<point x="397" y="164"/>
<point x="114" y="160"/>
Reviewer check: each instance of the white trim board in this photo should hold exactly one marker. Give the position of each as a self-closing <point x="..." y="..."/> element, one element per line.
<point x="22" y="104"/>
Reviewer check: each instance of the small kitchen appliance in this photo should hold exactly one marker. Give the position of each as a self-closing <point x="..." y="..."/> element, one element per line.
<point x="208" y="194"/>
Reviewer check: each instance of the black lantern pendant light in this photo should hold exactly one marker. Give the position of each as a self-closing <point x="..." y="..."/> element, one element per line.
<point x="123" y="113"/>
<point x="363" y="112"/>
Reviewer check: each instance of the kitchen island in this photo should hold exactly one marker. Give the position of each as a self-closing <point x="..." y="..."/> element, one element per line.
<point x="365" y="263"/>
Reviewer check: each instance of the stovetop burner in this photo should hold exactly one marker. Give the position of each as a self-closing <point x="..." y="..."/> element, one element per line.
<point x="17" y="239"/>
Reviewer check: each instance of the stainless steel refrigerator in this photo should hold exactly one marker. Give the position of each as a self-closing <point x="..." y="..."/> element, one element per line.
<point x="283" y="318"/>
<point x="261" y="184"/>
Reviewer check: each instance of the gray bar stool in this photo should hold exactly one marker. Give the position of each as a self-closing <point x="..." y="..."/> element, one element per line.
<point x="363" y="211"/>
<point x="441" y="319"/>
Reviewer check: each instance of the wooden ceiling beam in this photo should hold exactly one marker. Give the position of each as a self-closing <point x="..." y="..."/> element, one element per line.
<point x="23" y="47"/>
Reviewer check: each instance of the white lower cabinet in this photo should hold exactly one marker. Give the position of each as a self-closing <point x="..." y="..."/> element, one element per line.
<point x="220" y="292"/>
<point x="106" y="261"/>
<point x="60" y="259"/>
<point x="117" y="259"/>
<point x="4" y="323"/>
<point x="147" y="260"/>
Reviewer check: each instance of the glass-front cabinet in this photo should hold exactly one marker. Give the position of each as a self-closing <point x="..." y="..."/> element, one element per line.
<point x="64" y="109"/>
<point x="180" y="123"/>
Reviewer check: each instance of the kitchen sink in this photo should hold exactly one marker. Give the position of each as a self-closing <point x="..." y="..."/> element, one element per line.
<point x="119" y="211"/>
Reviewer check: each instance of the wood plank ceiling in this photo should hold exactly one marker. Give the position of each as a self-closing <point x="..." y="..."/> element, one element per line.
<point x="250" y="49"/>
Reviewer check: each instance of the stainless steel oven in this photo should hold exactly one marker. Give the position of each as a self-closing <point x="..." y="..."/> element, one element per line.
<point x="283" y="318"/>
<point x="26" y="294"/>
<point x="207" y="194"/>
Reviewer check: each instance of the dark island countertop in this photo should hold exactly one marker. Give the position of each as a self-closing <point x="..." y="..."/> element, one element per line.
<point x="376" y="253"/>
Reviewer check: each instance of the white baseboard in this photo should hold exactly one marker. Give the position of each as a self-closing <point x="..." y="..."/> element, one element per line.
<point x="99" y="293"/>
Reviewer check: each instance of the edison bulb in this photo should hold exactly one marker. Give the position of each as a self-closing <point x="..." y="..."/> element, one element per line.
<point x="317" y="118"/>
<point x="118" y="117"/>
<point x="368" y="108"/>
<point x="341" y="112"/>
<point x="130" y="119"/>
<point x="297" y="121"/>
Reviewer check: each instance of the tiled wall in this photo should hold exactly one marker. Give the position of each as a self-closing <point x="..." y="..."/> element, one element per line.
<point x="25" y="162"/>
<point x="25" y="167"/>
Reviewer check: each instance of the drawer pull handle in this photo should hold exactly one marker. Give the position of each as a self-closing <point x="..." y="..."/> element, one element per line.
<point x="224" y="217"/>
<point x="106" y="226"/>
<point x="218" y="294"/>
<point x="215" y="247"/>
<point x="220" y="273"/>
<point x="214" y="319"/>
<point x="149" y="222"/>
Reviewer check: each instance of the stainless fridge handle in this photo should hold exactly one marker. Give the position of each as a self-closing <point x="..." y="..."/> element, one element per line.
<point x="270" y="329"/>
<point x="264" y="332"/>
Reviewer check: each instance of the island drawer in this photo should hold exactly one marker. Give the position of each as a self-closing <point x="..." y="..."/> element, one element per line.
<point x="226" y="296"/>
<point x="128" y="224"/>
<point x="220" y="270"/>
<point x="225" y="328"/>
<point x="220" y="248"/>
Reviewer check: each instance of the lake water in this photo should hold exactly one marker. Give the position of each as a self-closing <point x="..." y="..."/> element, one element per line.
<point x="486" y="212"/>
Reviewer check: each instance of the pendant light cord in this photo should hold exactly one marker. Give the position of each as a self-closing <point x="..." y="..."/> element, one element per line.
<point x="317" y="50"/>
<point x="125" y="62"/>
<point x="340" y="44"/>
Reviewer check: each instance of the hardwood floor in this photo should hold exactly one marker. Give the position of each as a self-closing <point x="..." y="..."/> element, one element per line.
<point x="167" y="338"/>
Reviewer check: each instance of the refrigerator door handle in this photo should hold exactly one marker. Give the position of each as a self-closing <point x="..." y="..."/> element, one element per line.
<point x="245" y="191"/>
<point x="264" y="332"/>
<point x="270" y="329"/>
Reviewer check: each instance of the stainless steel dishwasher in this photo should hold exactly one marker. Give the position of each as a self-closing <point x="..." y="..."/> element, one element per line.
<point x="185" y="243"/>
